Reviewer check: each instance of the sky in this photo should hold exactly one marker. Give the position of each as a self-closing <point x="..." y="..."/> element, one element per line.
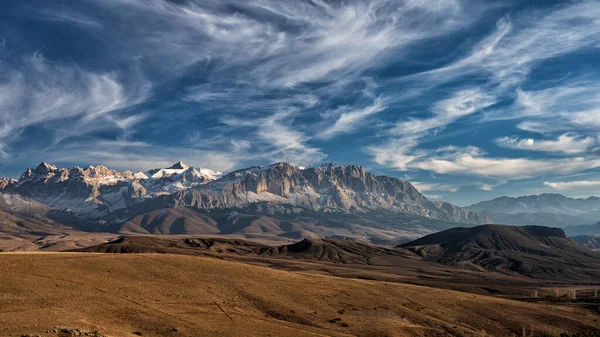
<point x="468" y="100"/>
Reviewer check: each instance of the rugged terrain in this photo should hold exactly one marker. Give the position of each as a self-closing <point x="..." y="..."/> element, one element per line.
<point x="533" y="251"/>
<point x="174" y="295"/>
<point x="93" y="193"/>
<point x="591" y="242"/>
<point x="486" y="259"/>
<point x="28" y="225"/>
<point x="276" y="202"/>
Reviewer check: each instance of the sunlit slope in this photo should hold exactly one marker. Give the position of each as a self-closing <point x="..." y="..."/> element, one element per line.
<point x="174" y="295"/>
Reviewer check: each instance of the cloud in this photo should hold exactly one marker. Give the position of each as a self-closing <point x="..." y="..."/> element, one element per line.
<point x="285" y="143"/>
<point x="349" y="118"/>
<point x="46" y="94"/>
<point x="401" y="149"/>
<point x="574" y="185"/>
<point x="426" y="187"/>
<point x="276" y="138"/>
<point x="502" y="62"/>
<point x="3" y="154"/>
<point x="447" y="111"/>
<point x="276" y="43"/>
<point x="566" y="143"/>
<point x="505" y="168"/>
<point x="521" y="41"/>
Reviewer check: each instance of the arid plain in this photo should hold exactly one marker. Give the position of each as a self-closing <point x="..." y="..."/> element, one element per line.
<point x="176" y="295"/>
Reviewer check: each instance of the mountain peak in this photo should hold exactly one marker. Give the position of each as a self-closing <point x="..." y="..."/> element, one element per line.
<point x="179" y="166"/>
<point x="45" y="167"/>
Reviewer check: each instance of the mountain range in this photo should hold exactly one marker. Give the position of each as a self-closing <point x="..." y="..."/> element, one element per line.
<point x="277" y="202"/>
<point x="544" y="209"/>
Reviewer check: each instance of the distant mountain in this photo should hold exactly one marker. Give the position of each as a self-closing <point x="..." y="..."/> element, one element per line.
<point x="543" y="203"/>
<point x="590" y="230"/>
<point x="534" y="251"/>
<point x="537" y="219"/>
<point x="591" y="242"/>
<point x="28" y="225"/>
<point x="93" y="193"/>
<point x="21" y="217"/>
<point x="544" y="209"/>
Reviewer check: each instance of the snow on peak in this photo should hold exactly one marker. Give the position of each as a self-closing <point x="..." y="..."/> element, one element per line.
<point x="45" y="167"/>
<point x="179" y="166"/>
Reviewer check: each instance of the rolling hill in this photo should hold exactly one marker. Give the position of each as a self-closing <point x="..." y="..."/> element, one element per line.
<point x="534" y="251"/>
<point x="71" y="294"/>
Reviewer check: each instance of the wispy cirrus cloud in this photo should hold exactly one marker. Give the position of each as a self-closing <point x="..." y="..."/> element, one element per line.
<point x="347" y="118"/>
<point x="46" y="94"/>
<point x="520" y="41"/>
<point x="401" y="150"/>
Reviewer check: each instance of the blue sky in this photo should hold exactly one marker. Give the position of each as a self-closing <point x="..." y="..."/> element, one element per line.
<point x="469" y="100"/>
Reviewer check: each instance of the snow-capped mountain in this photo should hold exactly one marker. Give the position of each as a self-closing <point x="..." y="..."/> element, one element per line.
<point x="328" y="188"/>
<point x="102" y="197"/>
<point x="97" y="191"/>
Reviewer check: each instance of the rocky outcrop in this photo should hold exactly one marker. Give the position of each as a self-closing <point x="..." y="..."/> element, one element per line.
<point x="4" y="182"/>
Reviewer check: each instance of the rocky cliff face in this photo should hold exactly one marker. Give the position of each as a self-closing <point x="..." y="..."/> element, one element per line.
<point x="97" y="191"/>
<point x="328" y="188"/>
<point x="98" y="194"/>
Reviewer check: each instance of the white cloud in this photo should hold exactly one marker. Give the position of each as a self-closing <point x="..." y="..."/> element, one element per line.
<point x="276" y="43"/>
<point x="523" y="40"/>
<point x="502" y="62"/>
<point x="505" y="168"/>
<point x="285" y="143"/>
<point x="574" y="185"/>
<point x="3" y="154"/>
<point x="426" y="187"/>
<point x="42" y="93"/>
<point x="401" y="149"/>
<point x="349" y="118"/>
<point x="277" y="139"/>
<point x="566" y="143"/>
<point x="447" y="111"/>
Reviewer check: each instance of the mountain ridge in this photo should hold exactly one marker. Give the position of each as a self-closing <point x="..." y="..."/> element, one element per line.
<point x="101" y="195"/>
<point x="545" y="202"/>
<point x="535" y="251"/>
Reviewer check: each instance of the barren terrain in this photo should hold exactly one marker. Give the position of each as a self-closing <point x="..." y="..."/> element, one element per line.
<point x="175" y="295"/>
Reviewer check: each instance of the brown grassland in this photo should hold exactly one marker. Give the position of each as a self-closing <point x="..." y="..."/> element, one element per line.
<point x="176" y="295"/>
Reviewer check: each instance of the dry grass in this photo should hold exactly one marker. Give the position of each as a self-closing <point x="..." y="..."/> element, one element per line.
<point x="172" y="295"/>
